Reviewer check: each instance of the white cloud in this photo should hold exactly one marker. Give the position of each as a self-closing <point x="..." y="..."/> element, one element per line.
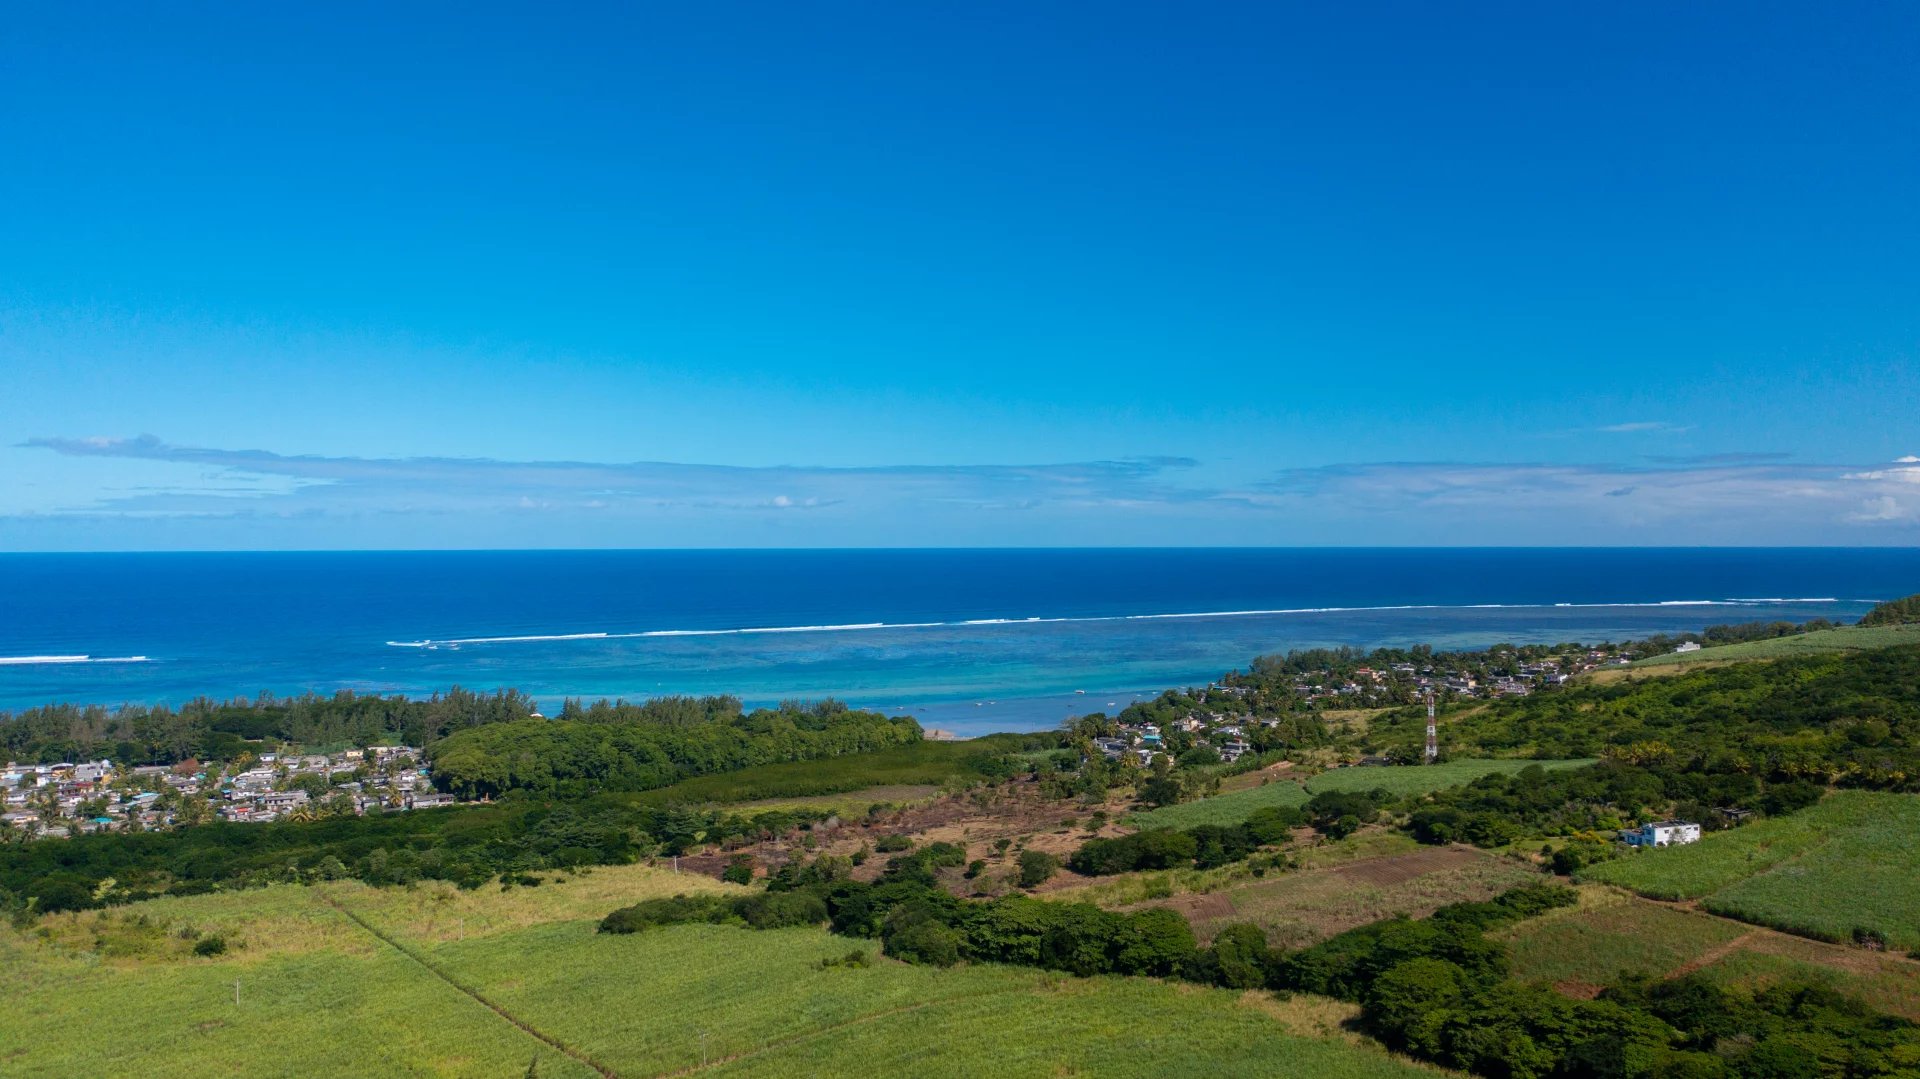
<point x="1759" y="498"/>
<point x="1884" y="508"/>
<point x="362" y="485"/>
<point x="1888" y="475"/>
<point x="1752" y="498"/>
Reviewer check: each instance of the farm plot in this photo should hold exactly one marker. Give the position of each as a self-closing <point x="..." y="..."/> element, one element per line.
<point x="1229" y="808"/>
<point x="1892" y="984"/>
<point x="1844" y="865"/>
<point x="342" y="979"/>
<point x="1610" y="936"/>
<point x="1426" y="778"/>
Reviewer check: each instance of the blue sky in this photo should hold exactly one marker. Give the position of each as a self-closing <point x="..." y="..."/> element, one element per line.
<point x="795" y="275"/>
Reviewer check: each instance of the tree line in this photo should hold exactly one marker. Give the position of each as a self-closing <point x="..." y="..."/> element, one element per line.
<point x="629" y="748"/>
<point x="468" y="846"/>
<point x="206" y="729"/>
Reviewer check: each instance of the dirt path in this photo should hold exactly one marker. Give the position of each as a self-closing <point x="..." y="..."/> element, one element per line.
<point x="1833" y="955"/>
<point x="1714" y="954"/>
<point x="527" y="1028"/>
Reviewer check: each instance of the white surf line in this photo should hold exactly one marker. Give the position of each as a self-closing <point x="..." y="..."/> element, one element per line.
<point x="30" y="661"/>
<point x="855" y="627"/>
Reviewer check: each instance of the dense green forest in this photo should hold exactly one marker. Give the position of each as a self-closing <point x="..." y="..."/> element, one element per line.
<point x="206" y="729"/>
<point x="1894" y="612"/>
<point x="641" y="747"/>
<point x="481" y="744"/>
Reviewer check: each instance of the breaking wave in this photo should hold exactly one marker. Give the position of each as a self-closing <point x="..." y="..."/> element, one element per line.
<point x="34" y="661"/>
<point x="855" y="627"/>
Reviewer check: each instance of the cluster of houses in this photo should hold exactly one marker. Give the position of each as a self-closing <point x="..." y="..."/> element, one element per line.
<point x="54" y="800"/>
<point x="1226" y="735"/>
<point x="1395" y="682"/>
<point x="48" y="798"/>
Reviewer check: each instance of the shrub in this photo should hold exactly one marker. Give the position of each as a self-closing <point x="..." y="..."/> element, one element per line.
<point x="653" y="912"/>
<point x="1199" y="756"/>
<point x="739" y="869"/>
<point x="1156" y="848"/>
<point x="1217" y="844"/>
<point x="1036" y="867"/>
<point x="944" y="855"/>
<point x="210" y="945"/>
<point x="890" y="844"/>
<point x="856" y="959"/>
<point x="780" y="910"/>
<point x="1238" y="959"/>
<point x="1341" y="813"/>
<point x="1274" y="824"/>
<point x="1155" y="941"/>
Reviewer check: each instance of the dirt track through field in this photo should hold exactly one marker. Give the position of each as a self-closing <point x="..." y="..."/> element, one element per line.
<point x="526" y="1027"/>
<point x="1713" y="955"/>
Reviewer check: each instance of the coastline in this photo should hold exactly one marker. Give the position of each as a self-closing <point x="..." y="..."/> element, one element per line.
<point x="963" y="640"/>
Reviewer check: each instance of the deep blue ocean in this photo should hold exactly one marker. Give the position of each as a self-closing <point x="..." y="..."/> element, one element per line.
<point x="968" y="640"/>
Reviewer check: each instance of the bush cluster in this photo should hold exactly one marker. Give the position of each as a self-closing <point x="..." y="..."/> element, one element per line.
<point x="760" y="910"/>
<point x="1202" y="846"/>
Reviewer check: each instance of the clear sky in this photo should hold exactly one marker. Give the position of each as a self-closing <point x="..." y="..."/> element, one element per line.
<point x="902" y="274"/>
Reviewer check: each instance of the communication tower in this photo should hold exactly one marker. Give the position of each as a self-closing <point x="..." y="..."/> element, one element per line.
<point x="1433" y="732"/>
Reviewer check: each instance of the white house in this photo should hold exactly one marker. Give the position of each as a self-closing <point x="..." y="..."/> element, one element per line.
<point x="1663" y="833"/>
<point x="1688" y="646"/>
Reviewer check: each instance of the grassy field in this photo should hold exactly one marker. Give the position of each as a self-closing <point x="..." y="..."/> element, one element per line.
<point x="1610" y="935"/>
<point x="341" y="979"/>
<point x="1846" y="863"/>
<point x="927" y="763"/>
<point x="1230" y="808"/>
<point x="1843" y="639"/>
<point x="1889" y="983"/>
<point x="1422" y="779"/>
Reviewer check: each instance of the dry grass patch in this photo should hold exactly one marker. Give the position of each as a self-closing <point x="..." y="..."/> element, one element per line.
<point x="436" y="911"/>
<point x="1299" y="908"/>
<point x="281" y="919"/>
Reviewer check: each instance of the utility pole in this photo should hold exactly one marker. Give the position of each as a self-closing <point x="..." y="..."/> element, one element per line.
<point x="236" y="992"/>
<point x="1433" y="732"/>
